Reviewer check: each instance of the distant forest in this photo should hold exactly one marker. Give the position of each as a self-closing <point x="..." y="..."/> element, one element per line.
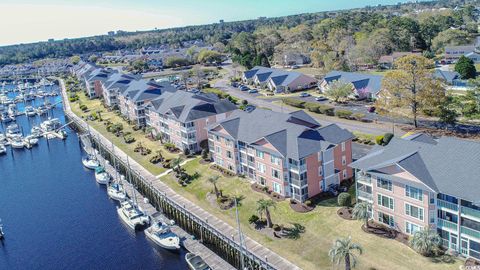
<point x="331" y="40"/>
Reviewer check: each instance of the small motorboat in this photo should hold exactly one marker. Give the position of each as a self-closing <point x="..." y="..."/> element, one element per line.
<point x="2" y="233"/>
<point x="3" y="149"/>
<point x="116" y="192"/>
<point x="30" y="111"/>
<point x="52" y="124"/>
<point x="196" y="262"/>
<point x="17" y="142"/>
<point x="161" y="235"/>
<point x="101" y="176"/>
<point x="30" y="140"/>
<point x="36" y="132"/>
<point x="90" y="162"/>
<point x="13" y="131"/>
<point x="3" y="139"/>
<point x="12" y="110"/>
<point x="132" y="216"/>
<point x="41" y="110"/>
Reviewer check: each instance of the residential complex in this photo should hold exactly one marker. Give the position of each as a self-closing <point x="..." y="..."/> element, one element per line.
<point x="278" y="80"/>
<point x="291" y="154"/>
<point x="364" y="85"/>
<point x="453" y="53"/>
<point x="419" y="182"/>
<point x="181" y="117"/>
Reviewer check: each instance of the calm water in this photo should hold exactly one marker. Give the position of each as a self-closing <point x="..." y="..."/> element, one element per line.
<point x="55" y="216"/>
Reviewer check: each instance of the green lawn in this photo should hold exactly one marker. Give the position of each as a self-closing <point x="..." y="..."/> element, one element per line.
<point x="322" y="227"/>
<point x="95" y="105"/>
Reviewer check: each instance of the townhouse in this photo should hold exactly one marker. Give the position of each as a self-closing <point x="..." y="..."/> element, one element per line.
<point x="291" y="154"/>
<point x="115" y="85"/>
<point x="94" y="81"/>
<point x="181" y="117"/>
<point x="364" y="85"/>
<point x="453" y="53"/>
<point x="133" y="100"/>
<point x="419" y="182"/>
<point x="278" y="80"/>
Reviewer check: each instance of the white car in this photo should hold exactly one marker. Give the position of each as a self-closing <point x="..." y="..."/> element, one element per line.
<point x="304" y="94"/>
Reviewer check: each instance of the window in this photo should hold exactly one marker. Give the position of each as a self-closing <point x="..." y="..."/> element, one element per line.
<point x="275" y="160"/>
<point x="431" y="217"/>
<point x="414" y="211"/>
<point x="219" y="162"/>
<point x="386" y="219"/>
<point x="229" y="154"/>
<point x="414" y="193"/>
<point x="277" y="188"/>
<point x="385" y="201"/>
<point x="261" y="167"/>
<point x="275" y="173"/>
<point x="320" y="171"/>
<point x="384" y="183"/>
<point x="432" y="198"/>
<point x="344" y="160"/>
<point x="259" y="154"/>
<point x="218" y="149"/>
<point x="343" y="146"/>
<point x="262" y="180"/>
<point x="344" y="174"/>
<point x="217" y="138"/>
<point x="411" y="228"/>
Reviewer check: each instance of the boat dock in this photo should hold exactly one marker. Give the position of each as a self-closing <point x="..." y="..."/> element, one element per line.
<point x="188" y="241"/>
<point x="217" y="235"/>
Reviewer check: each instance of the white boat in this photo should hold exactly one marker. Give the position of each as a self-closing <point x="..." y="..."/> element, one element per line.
<point x="160" y="234"/>
<point x="101" y="176"/>
<point x="90" y="162"/>
<point x="116" y="192"/>
<point x="30" y="111"/>
<point x="132" y="215"/>
<point x="4" y="117"/>
<point x="12" y="110"/>
<point x="41" y="110"/>
<point x="13" y="131"/>
<point x="51" y="124"/>
<point x="3" y="139"/>
<point x="196" y="262"/>
<point x="30" y="140"/>
<point x="3" y="149"/>
<point x="17" y="142"/>
<point x="36" y="132"/>
<point x="2" y="233"/>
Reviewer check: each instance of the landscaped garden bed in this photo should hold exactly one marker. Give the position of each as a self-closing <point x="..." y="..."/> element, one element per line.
<point x="345" y="213"/>
<point x="385" y="232"/>
<point x="262" y="189"/>
<point x="301" y="207"/>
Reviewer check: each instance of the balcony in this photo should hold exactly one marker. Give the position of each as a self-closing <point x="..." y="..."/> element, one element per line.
<point x="442" y="223"/>
<point x="364" y="179"/>
<point x="470" y="212"/>
<point x="365" y="195"/>
<point x="447" y="205"/>
<point x="470" y="232"/>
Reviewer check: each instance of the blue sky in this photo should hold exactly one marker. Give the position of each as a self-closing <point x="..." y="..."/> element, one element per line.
<point x="29" y="21"/>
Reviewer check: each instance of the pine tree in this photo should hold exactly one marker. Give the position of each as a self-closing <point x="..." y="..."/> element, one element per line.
<point x="466" y="68"/>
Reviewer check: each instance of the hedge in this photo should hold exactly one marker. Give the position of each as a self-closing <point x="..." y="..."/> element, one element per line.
<point x="294" y="102"/>
<point x="343" y="114"/>
<point x="311" y="106"/>
<point x="344" y="199"/>
<point x="326" y="109"/>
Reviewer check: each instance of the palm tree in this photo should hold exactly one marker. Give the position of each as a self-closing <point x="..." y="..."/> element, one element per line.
<point x="263" y="206"/>
<point x="295" y="231"/>
<point x="360" y="212"/>
<point x="425" y="241"/>
<point x="343" y="249"/>
<point x="214" y="180"/>
<point x="176" y="164"/>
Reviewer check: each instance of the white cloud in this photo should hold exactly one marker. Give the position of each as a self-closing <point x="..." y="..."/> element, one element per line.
<point x="22" y="23"/>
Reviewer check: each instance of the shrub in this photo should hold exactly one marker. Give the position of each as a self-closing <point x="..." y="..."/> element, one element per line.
<point x="311" y="106"/>
<point x="343" y="114"/>
<point x="358" y="116"/>
<point x="344" y="199"/>
<point x="253" y="219"/>
<point x="276" y="227"/>
<point x="379" y="139"/>
<point x="294" y="102"/>
<point x="205" y="154"/>
<point x="308" y="203"/>
<point x="387" y="138"/>
<point x="244" y="102"/>
<point x="83" y="107"/>
<point x="326" y="109"/>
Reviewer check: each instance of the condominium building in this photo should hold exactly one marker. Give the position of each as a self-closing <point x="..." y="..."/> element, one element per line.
<point x="291" y="154"/>
<point x="278" y="80"/>
<point x="115" y="85"/>
<point x="181" y="117"/>
<point x="419" y="182"/>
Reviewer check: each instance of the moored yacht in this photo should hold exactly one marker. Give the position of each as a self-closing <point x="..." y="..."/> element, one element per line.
<point x="2" y="233"/>
<point x="36" y="132"/>
<point x="30" y="111"/>
<point x="196" y="262"/>
<point x="101" y="176"/>
<point x="90" y="162"/>
<point x="3" y="149"/>
<point x="161" y="235"/>
<point x="30" y="140"/>
<point x="17" y="142"/>
<point x="51" y="124"/>
<point x="116" y="192"/>
<point x="13" y="131"/>
<point x="41" y="110"/>
<point x="132" y="215"/>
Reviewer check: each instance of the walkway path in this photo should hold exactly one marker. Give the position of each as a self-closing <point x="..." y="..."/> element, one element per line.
<point x="170" y="170"/>
<point x="274" y="260"/>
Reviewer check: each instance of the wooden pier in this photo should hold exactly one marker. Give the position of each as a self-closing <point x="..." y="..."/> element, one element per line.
<point x="212" y="232"/>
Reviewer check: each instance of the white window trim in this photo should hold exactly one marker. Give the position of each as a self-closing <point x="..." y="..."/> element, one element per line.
<point x="343" y="146"/>
<point x="393" y="200"/>
<point x="344" y="160"/>
<point x="381" y="188"/>
<point x="409" y="215"/>
<point x="420" y="200"/>
<point x="406" y="226"/>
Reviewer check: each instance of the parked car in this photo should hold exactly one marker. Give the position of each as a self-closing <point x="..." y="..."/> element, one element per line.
<point x="321" y="99"/>
<point x="244" y="88"/>
<point x="249" y="108"/>
<point x="304" y="94"/>
<point x="194" y="90"/>
<point x="332" y="189"/>
<point x="234" y="84"/>
<point x="253" y="91"/>
<point x="371" y="109"/>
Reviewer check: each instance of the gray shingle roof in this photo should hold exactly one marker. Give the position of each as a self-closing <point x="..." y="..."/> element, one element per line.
<point x="452" y="166"/>
<point x="186" y="106"/>
<point x="368" y="82"/>
<point x="295" y="135"/>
